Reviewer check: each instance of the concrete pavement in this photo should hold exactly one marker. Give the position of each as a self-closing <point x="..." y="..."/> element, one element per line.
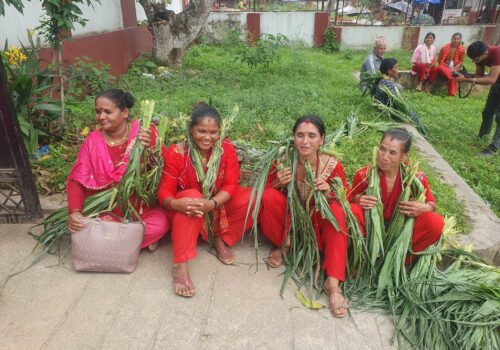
<point x="50" y="306"/>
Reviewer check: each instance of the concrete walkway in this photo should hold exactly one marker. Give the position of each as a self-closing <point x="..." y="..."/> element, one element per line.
<point x="50" y="306"/>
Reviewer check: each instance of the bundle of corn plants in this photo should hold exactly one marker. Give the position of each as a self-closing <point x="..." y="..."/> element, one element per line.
<point x="457" y="308"/>
<point x="397" y="241"/>
<point x="367" y="81"/>
<point x="400" y="110"/>
<point x="357" y="255"/>
<point x="136" y="188"/>
<point x="374" y="217"/>
<point x="209" y="178"/>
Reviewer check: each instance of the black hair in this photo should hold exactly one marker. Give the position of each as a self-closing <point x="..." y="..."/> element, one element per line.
<point x="430" y="34"/>
<point x="203" y="110"/>
<point x="457" y="33"/>
<point x="400" y="134"/>
<point x="314" y="120"/>
<point x="119" y="97"/>
<point x="387" y="64"/>
<point x="476" y="49"/>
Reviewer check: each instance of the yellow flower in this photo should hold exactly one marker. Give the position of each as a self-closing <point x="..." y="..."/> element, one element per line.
<point x="15" y="55"/>
<point x="22" y="57"/>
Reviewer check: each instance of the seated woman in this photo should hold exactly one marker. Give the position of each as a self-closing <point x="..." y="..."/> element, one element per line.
<point x="393" y="151"/>
<point x="309" y="136"/>
<point x="451" y="58"/>
<point x="180" y="192"/>
<point x="389" y="69"/>
<point x="423" y="60"/>
<point x="103" y="159"/>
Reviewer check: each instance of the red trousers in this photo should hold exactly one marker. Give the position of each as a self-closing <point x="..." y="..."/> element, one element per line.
<point x="272" y="218"/>
<point x="422" y="71"/>
<point x="186" y="229"/>
<point x="445" y="72"/>
<point x="427" y="230"/>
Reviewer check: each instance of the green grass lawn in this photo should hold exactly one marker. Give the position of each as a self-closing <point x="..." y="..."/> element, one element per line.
<point x="310" y="81"/>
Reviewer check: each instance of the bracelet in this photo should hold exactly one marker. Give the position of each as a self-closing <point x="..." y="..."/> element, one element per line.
<point x="215" y="202"/>
<point x="76" y="210"/>
<point x="167" y="203"/>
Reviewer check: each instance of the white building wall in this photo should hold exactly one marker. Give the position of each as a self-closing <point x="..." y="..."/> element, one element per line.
<point x="220" y="23"/>
<point x="175" y="5"/>
<point x="104" y="17"/>
<point x="297" y="26"/>
<point x="13" y="25"/>
<point x="360" y="38"/>
<point x="444" y="33"/>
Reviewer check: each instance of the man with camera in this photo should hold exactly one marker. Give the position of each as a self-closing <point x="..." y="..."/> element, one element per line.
<point x="486" y="56"/>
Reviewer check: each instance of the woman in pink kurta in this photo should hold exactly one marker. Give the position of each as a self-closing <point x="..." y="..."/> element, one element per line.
<point x="423" y="60"/>
<point x="103" y="159"/>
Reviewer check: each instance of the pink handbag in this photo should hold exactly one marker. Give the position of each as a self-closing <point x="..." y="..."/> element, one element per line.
<point x="107" y="246"/>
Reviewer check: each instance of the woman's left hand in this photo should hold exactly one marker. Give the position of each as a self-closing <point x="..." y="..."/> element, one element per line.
<point x="145" y="137"/>
<point x="321" y="185"/>
<point x="414" y="208"/>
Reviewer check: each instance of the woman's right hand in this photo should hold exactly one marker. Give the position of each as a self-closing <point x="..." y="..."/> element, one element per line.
<point x="188" y="206"/>
<point x="75" y="222"/>
<point x="283" y="177"/>
<point x="366" y="202"/>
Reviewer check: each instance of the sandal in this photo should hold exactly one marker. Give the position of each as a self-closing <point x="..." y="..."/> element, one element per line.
<point x="224" y="254"/>
<point x="184" y="282"/>
<point x="274" y="260"/>
<point x="337" y="305"/>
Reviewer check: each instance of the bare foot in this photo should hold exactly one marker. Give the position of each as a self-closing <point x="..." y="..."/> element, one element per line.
<point x="419" y="86"/>
<point x="338" y="304"/>
<point x="183" y="285"/>
<point x="224" y="253"/>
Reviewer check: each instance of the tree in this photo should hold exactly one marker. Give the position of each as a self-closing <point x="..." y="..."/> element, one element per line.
<point x="60" y="18"/>
<point x="174" y="33"/>
<point x="18" y="5"/>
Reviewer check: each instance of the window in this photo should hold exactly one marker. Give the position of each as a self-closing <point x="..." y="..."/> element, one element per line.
<point x="454" y="4"/>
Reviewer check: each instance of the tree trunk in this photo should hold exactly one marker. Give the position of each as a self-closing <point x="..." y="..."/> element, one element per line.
<point x="174" y="33"/>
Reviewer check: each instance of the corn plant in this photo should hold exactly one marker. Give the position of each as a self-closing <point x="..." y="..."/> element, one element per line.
<point x="400" y="110"/>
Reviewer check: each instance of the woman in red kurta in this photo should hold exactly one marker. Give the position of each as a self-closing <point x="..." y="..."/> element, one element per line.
<point x="103" y="159"/>
<point x="309" y="135"/>
<point x="393" y="150"/>
<point x="451" y="58"/>
<point x="180" y="192"/>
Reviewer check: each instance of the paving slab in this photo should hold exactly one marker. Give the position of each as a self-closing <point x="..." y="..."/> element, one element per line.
<point x="51" y="306"/>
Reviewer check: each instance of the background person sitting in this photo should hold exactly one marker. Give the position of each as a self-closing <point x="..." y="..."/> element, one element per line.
<point x="451" y="58"/>
<point x="372" y="62"/>
<point x="389" y="69"/>
<point x="423" y="60"/>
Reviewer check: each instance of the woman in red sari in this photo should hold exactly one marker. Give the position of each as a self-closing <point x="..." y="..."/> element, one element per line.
<point x="180" y="192"/>
<point x="393" y="150"/>
<point x="451" y="58"/>
<point x="103" y="159"/>
<point x="309" y="136"/>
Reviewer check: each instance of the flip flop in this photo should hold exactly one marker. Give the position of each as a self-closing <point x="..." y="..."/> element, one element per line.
<point x="274" y="261"/>
<point x="185" y="282"/>
<point x="225" y="255"/>
<point x="337" y="305"/>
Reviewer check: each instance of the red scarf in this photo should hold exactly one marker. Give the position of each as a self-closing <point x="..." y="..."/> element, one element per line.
<point x="457" y="59"/>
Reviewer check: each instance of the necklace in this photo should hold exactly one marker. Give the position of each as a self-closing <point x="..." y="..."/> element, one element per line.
<point x="116" y="142"/>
